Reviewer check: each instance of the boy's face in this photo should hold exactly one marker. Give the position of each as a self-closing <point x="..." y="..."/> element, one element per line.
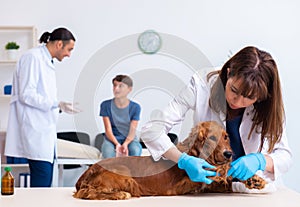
<point x="121" y="90"/>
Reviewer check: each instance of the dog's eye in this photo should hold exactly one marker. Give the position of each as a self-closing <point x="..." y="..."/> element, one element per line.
<point x="213" y="138"/>
<point x="226" y="137"/>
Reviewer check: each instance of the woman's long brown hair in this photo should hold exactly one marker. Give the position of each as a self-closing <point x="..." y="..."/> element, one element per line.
<point x="259" y="74"/>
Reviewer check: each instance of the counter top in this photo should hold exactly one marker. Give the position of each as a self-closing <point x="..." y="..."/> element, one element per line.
<point x="46" y="197"/>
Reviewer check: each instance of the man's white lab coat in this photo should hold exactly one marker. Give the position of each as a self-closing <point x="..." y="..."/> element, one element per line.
<point x="31" y="130"/>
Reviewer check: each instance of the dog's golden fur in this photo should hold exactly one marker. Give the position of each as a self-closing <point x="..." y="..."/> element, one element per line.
<point x="125" y="177"/>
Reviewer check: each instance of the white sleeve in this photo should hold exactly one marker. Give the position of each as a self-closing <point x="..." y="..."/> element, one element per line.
<point x="154" y="133"/>
<point x="238" y="187"/>
<point x="281" y="156"/>
<point x="28" y="75"/>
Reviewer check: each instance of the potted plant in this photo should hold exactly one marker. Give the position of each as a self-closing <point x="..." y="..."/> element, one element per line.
<point x="11" y="48"/>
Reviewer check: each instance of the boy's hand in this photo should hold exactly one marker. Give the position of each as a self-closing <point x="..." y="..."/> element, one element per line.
<point x="121" y="151"/>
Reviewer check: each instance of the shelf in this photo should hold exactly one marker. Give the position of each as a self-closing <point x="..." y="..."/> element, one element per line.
<point x="13" y="165"/>
<point x="25" y="36"/>
<point x="5" y="97"/>
<point x="9" y="62"/>
<point x="20" y="29"/>
<point x="17" y="27"/>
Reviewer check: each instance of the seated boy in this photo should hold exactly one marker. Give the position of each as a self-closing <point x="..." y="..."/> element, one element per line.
<point x="120" y="117"/>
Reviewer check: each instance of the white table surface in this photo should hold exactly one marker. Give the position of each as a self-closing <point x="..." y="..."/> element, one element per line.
<point x="62" y="197"/>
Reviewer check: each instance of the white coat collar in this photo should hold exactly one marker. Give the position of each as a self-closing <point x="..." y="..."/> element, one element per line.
<point x="47" y="56"/>
<point x="252" y="144"/>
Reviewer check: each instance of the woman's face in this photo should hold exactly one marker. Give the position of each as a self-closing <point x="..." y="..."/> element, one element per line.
<point x="233" y="96"/>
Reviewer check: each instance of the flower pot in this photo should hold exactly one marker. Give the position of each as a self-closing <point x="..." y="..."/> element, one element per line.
<point x="12" y="54"/>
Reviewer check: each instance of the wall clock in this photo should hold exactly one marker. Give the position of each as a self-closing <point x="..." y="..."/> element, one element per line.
<point x="149" y="42"/>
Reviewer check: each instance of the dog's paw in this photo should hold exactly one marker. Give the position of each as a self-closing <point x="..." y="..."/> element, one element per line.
<point x="221" y="173"/>
<point x="255" y="182"/>
<point x="122" y="195"/>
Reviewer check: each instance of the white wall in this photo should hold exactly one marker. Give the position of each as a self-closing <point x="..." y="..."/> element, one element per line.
<point x="216" y="28"/>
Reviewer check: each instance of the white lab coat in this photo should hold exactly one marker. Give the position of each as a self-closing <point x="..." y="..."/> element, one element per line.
<point x="31" y="130"/>
<point x="195" y="96"/>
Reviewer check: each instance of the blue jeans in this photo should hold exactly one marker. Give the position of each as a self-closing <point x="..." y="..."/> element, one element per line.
<point x="40" y="173"/>
<point x="108" y="149"/>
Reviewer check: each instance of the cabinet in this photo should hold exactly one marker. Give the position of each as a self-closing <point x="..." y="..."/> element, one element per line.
<point x="25" y="36"/>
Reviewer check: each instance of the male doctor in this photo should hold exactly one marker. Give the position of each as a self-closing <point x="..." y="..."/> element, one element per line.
<point x="34" y="108"/>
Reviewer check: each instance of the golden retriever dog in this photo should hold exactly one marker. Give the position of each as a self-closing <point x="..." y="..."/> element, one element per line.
<point x="125" y="177"/>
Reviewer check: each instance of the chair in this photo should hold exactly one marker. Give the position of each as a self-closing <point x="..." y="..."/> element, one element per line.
<point x="99" y="140"/>
<point x="78" y="137"/>
<point x="172" y="136"/>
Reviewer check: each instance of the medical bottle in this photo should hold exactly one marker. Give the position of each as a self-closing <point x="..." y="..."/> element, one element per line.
<point x="7" y="182"/>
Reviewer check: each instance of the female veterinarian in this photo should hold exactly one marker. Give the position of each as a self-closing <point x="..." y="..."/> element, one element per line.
<point x="245" y="96"/>
<point x="31" y="130"/>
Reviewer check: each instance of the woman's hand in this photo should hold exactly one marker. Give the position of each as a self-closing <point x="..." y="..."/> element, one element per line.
<point x="195" y="168"/>
<point x="246" y="166"/>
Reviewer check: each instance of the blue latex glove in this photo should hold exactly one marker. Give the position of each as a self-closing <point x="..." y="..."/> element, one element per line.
<point x="246" y="166"/>
<point x="194" y="168"/>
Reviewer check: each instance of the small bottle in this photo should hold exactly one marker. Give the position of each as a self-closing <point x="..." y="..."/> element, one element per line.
<point x="7" y="182"/>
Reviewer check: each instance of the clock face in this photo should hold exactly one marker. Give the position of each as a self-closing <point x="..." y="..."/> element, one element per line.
<point x="149" y="42"/>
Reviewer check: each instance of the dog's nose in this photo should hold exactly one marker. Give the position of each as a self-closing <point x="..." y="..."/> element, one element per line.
<point x="227" y="154"/>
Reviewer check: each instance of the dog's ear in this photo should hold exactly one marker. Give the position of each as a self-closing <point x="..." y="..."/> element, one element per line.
<point x="197" y="145"/>
<point x="194" y="143"/>
<point x="187" y="144"/>
<point x="202" y="132"/>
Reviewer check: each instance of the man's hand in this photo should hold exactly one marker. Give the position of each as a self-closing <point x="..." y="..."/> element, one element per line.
<point x="68" y="108"/>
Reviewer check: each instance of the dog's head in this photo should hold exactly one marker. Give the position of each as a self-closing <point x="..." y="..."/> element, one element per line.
<point x="209" y="141"/>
